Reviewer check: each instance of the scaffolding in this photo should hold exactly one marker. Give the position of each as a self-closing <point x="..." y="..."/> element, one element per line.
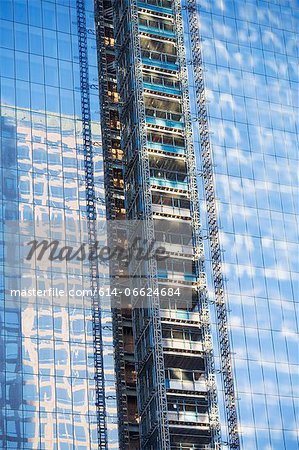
<point x="159" y="184"/>
<point x="91" y="223"/>
<point x="129" y="17"/>
<point x="197" y="232"/>
<point x="207" y="173"/>
<point x="111" y="138"/>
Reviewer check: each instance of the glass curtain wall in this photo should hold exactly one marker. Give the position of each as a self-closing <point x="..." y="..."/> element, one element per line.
<point x="47" y="365"/>
<point x="251" y="76"/>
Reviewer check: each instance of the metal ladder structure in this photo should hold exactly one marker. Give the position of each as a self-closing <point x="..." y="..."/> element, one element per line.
<point x="197" y="231"/>
<point x="91" y="224"/>
<point x="213" y="232"/>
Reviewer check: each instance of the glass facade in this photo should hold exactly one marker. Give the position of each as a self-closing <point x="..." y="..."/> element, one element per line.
<point x="251" y="76"/>
<point x="47" y="353"/>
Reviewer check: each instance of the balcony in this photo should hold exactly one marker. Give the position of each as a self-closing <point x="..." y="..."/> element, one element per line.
<point x="180" y="315"/>
<point x="171" y="275"/>
<point x="179" y="385"/>
<point x="157" y="31"/>
<point x="179" y="344"/>
<point x="156" y="8"/>
<point x="188" y="416"/>
<point x="159" y="60"/>
<point x="172" y="248"/>
<point x="166" y="148"/>
<point x="164" y="122"/>
<point x="162" y="89"/>
<point x="172" y="184"/>
<point x="171" y="211"/>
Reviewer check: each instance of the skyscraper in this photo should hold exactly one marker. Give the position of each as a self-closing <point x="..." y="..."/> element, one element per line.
<point x="176" y="395"/>
<point x="179" y="117"/>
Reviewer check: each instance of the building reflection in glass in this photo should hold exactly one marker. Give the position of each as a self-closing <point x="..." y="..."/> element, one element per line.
<point x="250" y="60"/>
<point x="47" y="359"/>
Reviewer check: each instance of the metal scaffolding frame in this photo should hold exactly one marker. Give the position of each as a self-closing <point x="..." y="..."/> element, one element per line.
<point x="149" y="235"/>
<point x="213" y="232"/>
<point x="102" y="17"/>
<point x="128" y="11"/>
<point x="91" y="223"/>
<point x="197" y="232"/>
<point x="105" y="107"/>
<point x="131" y="88"/>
